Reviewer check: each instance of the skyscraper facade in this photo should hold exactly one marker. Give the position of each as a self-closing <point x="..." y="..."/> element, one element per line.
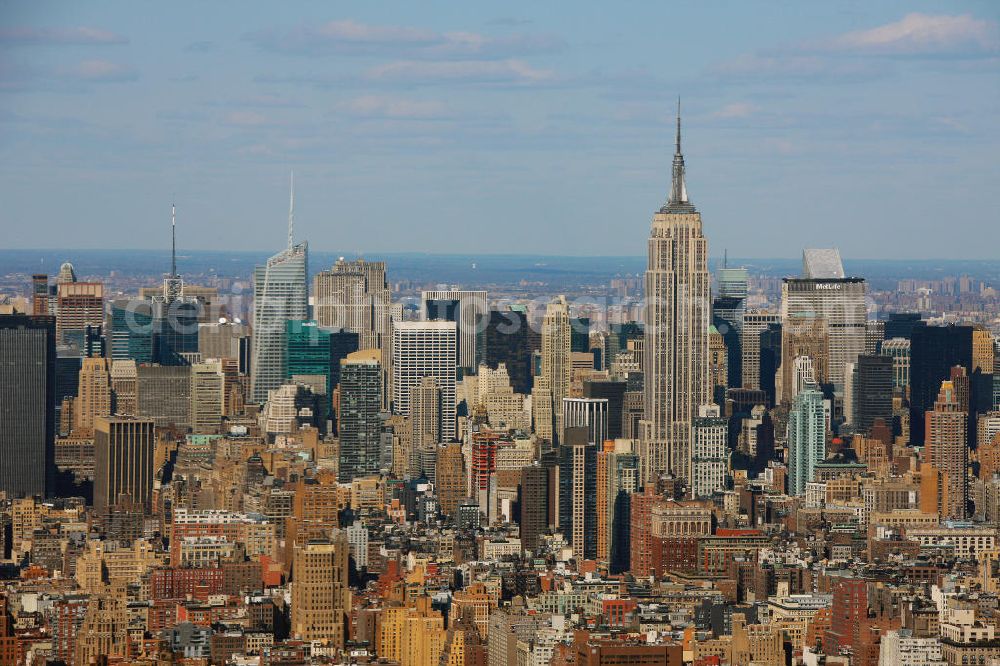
<point x="450" y="478"/>
<point x="718" y="364"/>
<point x="934" y="350"/>
<point x="898" y="349"/>
<point x="589" y="413"/>
<point x="946" y="448"/>
<point x="806" y="437"/>
<point x="823" y="291"/>
<point x="425" y="419"/>
<point x="710" y="456"/>
<point x="81" y="304"/>
<point x="355" y="296"/>
<point x="27" y="404"/>
<point x="617" y="479"/>
<point x="902" y="324"/>
<point x="155" y="330"/>
<point x="93" y="398"/>
<point x="280" y="293"/>
<point x="207" y="396"/>
<point x="163" y="393"/>
<point x="321" y="596"/>
<point x="803" y="335"/>
<point x="359" y="423"/>
<point x="728" y="310"/>
<point x="314" y="350"/>
<point x="754" y="323"/>
<point x="677" y="310"/>
<point x="506" y="340"/>
<point x="39" y="294"/>
<point x="578" y="491"/>
<point x="873" y="385"/>
<point x="175" y="329"/>
<point x="425" y="349"/>
<point x="537" y="492"/>
<point x="557" y="357"/>
<point x="470" y="311"/>
<point x="123" y="453"/>
<point x="614" y="393"/>
<point x="769" y="361"/>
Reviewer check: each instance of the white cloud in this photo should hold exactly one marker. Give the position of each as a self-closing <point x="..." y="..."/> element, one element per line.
<point x="100" y="71"/>
<point x="395" y="107"/>
<point x="352" y="31"/>
<point x="469" y="71"/>
<point x="55" y="36"/>
<point x="793" y="66"/>
<point x="736" y="110"/>
<point x="921" y="34"/>
<point x="352" y="37"/>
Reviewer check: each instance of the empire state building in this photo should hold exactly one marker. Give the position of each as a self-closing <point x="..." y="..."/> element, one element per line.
<point x="677" y="315"/>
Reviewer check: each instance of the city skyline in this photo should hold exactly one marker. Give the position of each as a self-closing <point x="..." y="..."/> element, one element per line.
<point x="493" y="434"/>
<point x="807" y="135"/>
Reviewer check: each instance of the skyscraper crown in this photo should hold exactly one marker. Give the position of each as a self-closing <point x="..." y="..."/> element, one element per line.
<point x="678" y="202"/>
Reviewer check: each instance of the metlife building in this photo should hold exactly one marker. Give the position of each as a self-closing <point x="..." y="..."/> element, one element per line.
<point x="840" y="300"/>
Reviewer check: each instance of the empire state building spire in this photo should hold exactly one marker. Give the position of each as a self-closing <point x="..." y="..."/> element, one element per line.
<point x="676" y="317"/>
<point x="678" y="202"/>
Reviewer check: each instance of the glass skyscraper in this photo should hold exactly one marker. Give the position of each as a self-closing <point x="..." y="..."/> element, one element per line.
<point x="728" y="308"/>
<point x="806" y="437"/>
<point x="314" y="350"/>
<point x="280" y="293"/>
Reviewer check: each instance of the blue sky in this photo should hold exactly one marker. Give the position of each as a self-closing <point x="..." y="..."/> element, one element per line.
<point x="501" y="127"/>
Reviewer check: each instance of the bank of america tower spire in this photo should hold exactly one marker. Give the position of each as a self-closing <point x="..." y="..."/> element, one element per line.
<point x="677" y="315"/>
<point x="280" y="294"/>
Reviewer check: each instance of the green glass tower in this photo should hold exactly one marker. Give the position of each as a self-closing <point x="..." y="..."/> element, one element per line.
<point x="314" y="350"/>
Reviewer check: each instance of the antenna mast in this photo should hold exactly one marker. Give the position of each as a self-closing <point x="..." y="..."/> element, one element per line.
<point x="173" y="240"/>
<point x="291" y="210"/>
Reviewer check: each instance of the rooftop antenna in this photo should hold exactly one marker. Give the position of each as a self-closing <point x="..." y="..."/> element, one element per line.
<point x="173" y="286"/>
<point x="291" y="209"/>
<point x="678" y="142"/>
<point x="173" y="240"/>
<point x="725" y="258"/>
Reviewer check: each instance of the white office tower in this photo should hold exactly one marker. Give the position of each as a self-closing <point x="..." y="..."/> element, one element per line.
<point x="280" y="293"/>
<point x="710" y="457"/>
<point x="823" y="291"/>
<point x="806" y="437"/>
<point x="423" y="349"/>
<point x="468" y="310"/>
<point x="357" y="539"/>
<point x="675" y="355"/>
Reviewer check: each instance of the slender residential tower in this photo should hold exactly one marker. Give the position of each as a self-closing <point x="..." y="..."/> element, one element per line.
<point x="678" y="303"/>
<point x="280" y="293"/>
